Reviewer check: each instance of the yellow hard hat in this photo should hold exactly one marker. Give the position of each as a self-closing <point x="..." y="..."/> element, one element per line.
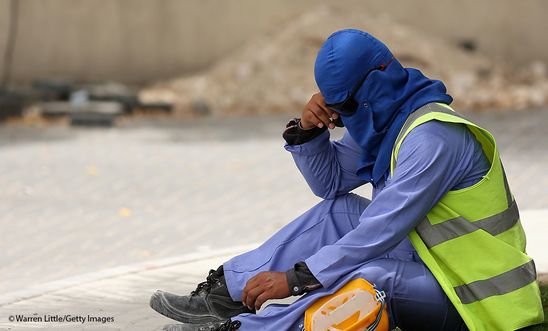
<point x="357" y="306"/>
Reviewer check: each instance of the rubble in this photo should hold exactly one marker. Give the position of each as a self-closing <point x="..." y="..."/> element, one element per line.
<point x="274" y="73"/>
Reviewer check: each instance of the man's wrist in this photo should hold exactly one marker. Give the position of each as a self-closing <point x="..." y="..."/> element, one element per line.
<point x="300" y="124"/>
<point x="300" y="280"/>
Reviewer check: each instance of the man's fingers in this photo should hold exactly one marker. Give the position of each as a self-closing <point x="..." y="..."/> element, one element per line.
<point x="316" y="113"/>
<point x="244" y="294"/>
<point x="261" y="299"/>
<point x="328" y="111"/>
<point x="310" y="117"/>
<point x="246" y="290"/>
<point x="323" y="116"/>
<point x="321" y="102"/>
<point x="265" y="286"/>
<point x="251" y="283"/>
<point x="252" y="296"/>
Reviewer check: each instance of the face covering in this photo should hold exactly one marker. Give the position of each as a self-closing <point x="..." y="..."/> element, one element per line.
<point x="385" y="99"/>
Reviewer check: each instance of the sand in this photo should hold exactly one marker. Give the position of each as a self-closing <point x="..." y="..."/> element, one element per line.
<point x="274" y="73"/>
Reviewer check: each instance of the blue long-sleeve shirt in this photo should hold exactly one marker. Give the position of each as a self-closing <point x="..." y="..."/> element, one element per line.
<point x="434" y="158"/>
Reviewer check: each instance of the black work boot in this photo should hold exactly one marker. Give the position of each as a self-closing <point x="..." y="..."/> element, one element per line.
<point x="211" y="326"/>
<point x="210" y="302"/>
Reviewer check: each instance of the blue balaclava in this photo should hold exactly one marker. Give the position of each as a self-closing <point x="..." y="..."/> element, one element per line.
<point x="385" y="98"/>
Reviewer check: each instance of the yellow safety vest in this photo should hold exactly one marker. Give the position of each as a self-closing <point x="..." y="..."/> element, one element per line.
<point x="473" y="242"/>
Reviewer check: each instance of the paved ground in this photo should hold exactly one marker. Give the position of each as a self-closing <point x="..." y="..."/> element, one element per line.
<point x="120" y="295"/>
<point x="79" y="201"/>
<point x="122" y="300"/>
<point x="75" y="201"/>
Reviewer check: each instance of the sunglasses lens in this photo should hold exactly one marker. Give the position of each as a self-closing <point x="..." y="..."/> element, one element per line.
<point x="347" y="107"/>
<point x="350" y="106"/>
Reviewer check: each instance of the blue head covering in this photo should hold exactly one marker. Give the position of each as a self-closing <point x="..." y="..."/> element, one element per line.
<point x="385" y="98"/>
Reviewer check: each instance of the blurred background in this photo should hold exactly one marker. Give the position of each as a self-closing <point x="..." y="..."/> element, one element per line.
<point x="134" y="130"/>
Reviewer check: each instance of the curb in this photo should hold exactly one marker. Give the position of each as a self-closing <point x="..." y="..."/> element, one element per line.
<point x="41" y="289"/>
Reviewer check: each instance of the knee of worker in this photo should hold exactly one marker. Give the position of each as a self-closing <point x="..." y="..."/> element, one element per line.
<point x="349" y="203"/>
<point x="380" y="273"/>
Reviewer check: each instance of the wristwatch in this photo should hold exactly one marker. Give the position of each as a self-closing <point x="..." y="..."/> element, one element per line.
<point x="294" y="133"/>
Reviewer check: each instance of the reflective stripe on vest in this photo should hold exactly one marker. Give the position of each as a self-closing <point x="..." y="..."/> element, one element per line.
<point x="498" y="285"/>
<point x="435" y="234"/>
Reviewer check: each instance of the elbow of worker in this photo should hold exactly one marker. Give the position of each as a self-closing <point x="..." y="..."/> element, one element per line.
<point x="326" y="193"/>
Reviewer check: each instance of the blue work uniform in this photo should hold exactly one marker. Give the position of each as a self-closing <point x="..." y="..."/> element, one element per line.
<point x="347" y="236"/>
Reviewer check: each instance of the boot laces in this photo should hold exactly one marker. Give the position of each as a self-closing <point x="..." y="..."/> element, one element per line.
<point x="211" y="279"/>
<point x="229" y="326"/>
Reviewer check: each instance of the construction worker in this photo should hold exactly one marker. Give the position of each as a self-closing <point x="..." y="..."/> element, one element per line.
<point x="441" y="236"/>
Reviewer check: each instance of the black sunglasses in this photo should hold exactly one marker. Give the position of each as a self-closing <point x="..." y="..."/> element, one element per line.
<point x="349" y="105"/>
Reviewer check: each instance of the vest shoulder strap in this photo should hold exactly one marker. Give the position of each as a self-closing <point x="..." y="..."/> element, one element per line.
<point x="423" y="114"/>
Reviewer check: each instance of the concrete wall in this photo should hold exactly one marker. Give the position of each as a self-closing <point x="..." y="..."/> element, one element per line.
<point x="143" y="40"/>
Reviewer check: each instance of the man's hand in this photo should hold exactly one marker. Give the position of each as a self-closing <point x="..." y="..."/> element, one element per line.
<point x="315" y="113"/>
<point x="264" y="286"/>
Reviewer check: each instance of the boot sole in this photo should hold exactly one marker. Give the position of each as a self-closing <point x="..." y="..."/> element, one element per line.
<point x="162" y="306"/>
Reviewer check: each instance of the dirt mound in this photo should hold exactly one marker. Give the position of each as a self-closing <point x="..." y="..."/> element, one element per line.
<point x="274" y="73"/>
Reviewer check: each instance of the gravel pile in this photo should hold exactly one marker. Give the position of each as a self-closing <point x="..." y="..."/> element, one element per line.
<point x="274" y="73"/>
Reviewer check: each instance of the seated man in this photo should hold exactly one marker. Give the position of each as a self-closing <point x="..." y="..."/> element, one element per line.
<point x="441" y="235"/>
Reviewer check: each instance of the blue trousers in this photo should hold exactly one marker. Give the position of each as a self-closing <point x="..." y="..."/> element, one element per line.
<point x="415" y="299"/>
